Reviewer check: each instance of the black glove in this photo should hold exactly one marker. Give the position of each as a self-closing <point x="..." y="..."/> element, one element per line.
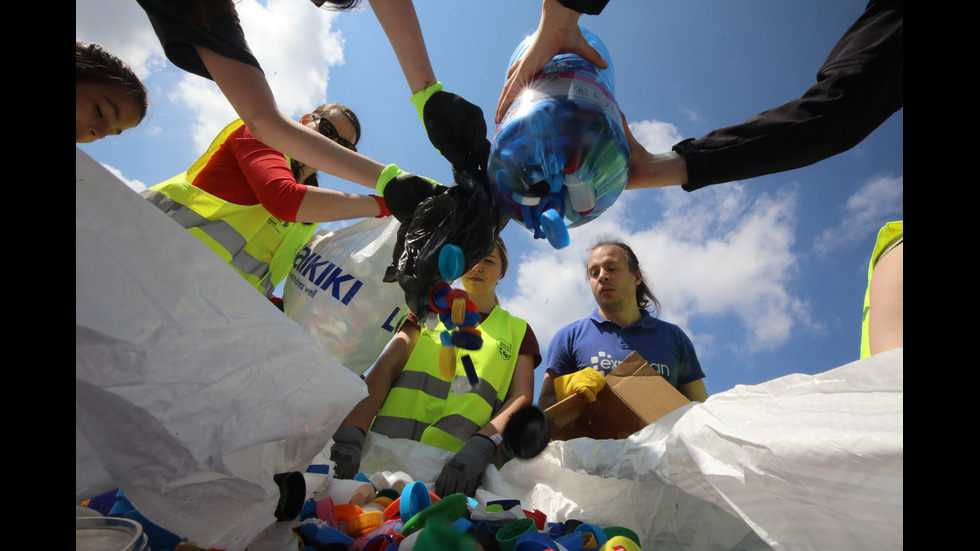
<point x="456" y="128"/>
<point x="346" y="451"/>
<point x="462" y="473"/>
<point x="403" y="191"/>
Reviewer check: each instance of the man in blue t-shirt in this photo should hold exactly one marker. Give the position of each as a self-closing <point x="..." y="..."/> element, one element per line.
<point x="619" y="325"/>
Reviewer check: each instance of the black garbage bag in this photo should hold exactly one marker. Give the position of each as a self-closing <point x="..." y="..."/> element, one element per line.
<point x="464" y="215"/>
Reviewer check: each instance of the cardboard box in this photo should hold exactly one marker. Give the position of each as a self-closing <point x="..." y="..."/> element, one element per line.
<point x="635" y="395"/>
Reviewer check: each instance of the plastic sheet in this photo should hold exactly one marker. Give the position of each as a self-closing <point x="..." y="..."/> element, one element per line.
<point x="799" y="462"/>
<point x="191" y="389"/>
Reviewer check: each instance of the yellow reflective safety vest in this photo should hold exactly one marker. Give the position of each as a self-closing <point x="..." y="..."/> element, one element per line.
<point x="260" y="246"/>
<point x="888" y="236"/>
<point x="422" y="406"/>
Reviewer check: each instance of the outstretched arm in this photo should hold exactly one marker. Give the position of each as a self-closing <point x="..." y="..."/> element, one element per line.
<point x="249" y="94"/>
<point x="401" y="26"/>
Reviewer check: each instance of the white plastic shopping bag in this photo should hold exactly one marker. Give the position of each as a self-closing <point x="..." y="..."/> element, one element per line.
<point x="191" y="389"/>
<point x="335" y="291"/>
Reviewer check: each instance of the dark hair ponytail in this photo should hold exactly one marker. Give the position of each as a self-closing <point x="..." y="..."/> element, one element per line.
<point x="644" y="294"/>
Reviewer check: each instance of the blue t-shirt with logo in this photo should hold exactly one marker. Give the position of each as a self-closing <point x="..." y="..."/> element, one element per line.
<point x="601" y="344"/>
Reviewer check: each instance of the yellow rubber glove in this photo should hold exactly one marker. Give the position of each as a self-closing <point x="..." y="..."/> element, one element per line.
<point x="587" y="382"/>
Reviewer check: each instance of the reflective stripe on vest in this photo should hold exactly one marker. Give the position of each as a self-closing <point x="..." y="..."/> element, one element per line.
<point x="421" y="405"/>
<point x="258" y="245"/>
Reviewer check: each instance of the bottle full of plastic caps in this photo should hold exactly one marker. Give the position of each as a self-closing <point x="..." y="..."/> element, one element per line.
<point x="559" y="157"/>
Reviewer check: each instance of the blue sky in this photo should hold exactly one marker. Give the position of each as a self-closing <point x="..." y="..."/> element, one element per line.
<point x="767" y="276"/>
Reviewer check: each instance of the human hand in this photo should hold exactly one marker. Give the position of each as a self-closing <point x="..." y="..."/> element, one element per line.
<point x="346" y="451"/>
<point x="653" y="169"/>
<point x="403" y="191"/>
<point x="558" y="33"/>
<point x="455" y="127"/>
<point x="462" y="473"/>
<point x="587" y="382"/>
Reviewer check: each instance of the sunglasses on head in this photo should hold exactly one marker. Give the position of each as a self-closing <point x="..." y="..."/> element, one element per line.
<point x="325" y="127"/>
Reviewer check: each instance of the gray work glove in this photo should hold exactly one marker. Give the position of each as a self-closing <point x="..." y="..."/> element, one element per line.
<point x="463" y="471"/>
<point x="346" y="451"/>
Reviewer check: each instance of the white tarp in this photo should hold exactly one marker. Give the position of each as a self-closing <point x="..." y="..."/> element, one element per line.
<point x="799" y="462"/>
<point x="191" y="388"/>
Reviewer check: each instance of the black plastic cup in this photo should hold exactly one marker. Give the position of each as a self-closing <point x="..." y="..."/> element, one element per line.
<point x="292" y="494"/>
<point x="528" y="432"/>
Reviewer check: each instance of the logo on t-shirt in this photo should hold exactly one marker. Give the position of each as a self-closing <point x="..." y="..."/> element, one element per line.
<point x="605" y="363"/>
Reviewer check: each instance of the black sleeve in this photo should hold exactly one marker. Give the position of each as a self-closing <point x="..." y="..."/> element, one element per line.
<point x="180" y="25"/>
<point x="859" y="86"/>
<point x="588" y="7"/>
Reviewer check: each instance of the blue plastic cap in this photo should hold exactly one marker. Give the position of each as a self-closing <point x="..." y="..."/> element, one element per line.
<point x="328" y="535"/>
<point x="451" y="262"/>
<point x="554" y="229"/>
<point x="415" y="497"/>
<point x="361" y="477"/>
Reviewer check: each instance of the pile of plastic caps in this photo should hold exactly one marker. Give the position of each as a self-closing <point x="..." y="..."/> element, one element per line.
<point x="415" y="518"/>
<point x="403" y="515"/>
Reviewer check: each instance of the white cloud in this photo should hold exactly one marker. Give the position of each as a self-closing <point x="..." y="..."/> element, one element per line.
<point x="720" y="252"/>
<point x="878" y="201"/>
<point x="656" y="136"/>
<point x="295" y="48"/>
<point x="135" y="185"/>
<point x="121" y="27"/>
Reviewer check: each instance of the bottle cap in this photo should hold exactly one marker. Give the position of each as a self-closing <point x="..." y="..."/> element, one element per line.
<point x="507" y="536"/>
<point x="365" y="522"/>
<point x="534" y="541"/>
<point x="414" y="498"/>
<point x="614" y="531"/>
<point x="328" y="535"/>
<point x="620" y="543"/>
<point x="446" y="511"/>
<point x="586" y="528"/>
<point x="540" y="519"/>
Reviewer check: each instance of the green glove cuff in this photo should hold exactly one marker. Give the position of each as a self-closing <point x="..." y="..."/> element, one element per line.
<point x="388" y="174"/>
<point x="419" y="98"/>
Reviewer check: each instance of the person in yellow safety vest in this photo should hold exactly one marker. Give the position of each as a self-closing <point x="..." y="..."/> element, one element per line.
<point x="255" y="207"/>
<point x="882" y="328"/>
<point x="408" y="398"/>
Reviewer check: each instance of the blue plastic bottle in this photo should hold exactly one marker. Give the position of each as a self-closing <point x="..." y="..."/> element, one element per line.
<point x="559" y="157"/>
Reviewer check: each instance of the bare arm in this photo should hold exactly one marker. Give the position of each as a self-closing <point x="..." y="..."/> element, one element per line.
<point x="382" y="377"/>
<point x="401" y="25"/>
<point x="520" y="394"/>
<point x="886" y="313"/>
<point x="326" y="205"/>
<point x="548" y="396"/>
<point x="249" y="94"/>
<point x="653" y="170"/>
<point x="694" y="391"/>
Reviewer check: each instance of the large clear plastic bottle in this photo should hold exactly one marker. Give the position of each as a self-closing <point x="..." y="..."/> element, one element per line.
<point x="559" y="157"/>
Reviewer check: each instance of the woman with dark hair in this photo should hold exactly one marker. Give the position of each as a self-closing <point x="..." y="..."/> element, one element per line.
<point x="256" y="207"/>
<point x="409" y="398"/>
<point x="109" y="97"/>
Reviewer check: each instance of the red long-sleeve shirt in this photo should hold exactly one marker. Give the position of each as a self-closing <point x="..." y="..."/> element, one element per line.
<point x="245" y="171"/>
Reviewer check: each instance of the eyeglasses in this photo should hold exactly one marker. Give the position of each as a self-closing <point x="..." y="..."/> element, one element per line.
<point x="325" y="127"/>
